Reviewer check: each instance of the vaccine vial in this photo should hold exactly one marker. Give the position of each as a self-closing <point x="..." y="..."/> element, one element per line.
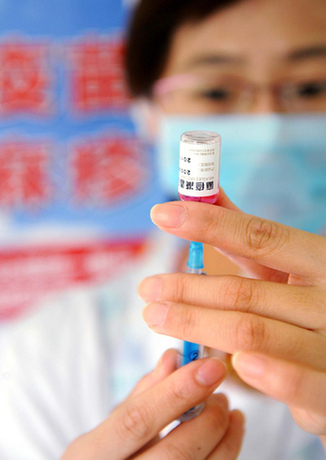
<point x="199" y="166"/>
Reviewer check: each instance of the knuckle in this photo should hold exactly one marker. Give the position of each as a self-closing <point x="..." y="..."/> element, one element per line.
<point x="177" y="395"/>
<point x="217" y="415"/>
<point x="232" y="443"/>
<point x="250" y="333"/>
<point x="179" y="288"/>
<point x="178" y="452"/>
<point x="186" y="321"/>
<point x="239" y="293"/>
<point x="264" y="236"/>
<point x="136" y="423"/>
<point x="211" y="226"/>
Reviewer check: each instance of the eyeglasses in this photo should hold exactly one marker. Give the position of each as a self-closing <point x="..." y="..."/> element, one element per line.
<point x="217" y="93"/>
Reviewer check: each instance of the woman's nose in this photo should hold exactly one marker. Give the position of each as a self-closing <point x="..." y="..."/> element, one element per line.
<point x="265" y="102"/>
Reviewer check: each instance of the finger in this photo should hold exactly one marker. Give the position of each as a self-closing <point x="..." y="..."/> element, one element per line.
<point x="138" y="420"/>
<point x="293" y="384"/>
<point x="309" y="420"/>
<point x="229" y="448"/>
<point x="269" y="243"/>
<point x="198" y="437"/>
<point x="232" y="331"/>
<point x="255" y="269"/>
<point x="302" y="306"/>
<point x="167" y="364"/>
<point x="249" y="266"/>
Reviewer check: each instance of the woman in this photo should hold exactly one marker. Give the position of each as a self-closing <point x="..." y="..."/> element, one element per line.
<point x="265" y="57"/>
<point x="250" y="58"/>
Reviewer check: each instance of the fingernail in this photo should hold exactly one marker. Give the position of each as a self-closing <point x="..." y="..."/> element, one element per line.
<point x="211" y="373"/>
<point x="168" y="215"/>
<point x="155" y="313"/>
<point x="150" y="289"/>
<point x="247" y="365"/>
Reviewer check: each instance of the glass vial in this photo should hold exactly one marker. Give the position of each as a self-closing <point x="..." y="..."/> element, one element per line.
<point x="199" y="166"/>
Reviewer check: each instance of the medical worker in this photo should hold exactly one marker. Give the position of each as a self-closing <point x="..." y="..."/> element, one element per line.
<point x="254" y="71"/>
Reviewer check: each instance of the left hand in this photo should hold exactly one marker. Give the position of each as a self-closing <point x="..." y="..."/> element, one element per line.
<point x="275" y="325"/>
<point x="131" y="430"/>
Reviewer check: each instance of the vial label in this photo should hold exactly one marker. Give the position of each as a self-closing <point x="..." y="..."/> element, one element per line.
<point x="199" y="169"/>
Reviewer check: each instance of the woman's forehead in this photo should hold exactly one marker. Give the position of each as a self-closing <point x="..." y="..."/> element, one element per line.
<point x="249" y="30"/>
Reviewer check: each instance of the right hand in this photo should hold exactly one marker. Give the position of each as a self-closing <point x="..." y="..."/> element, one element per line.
<point x="131" y="431"/>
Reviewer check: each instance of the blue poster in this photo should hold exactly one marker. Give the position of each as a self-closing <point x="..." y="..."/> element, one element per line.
<point x="74" y="176"/>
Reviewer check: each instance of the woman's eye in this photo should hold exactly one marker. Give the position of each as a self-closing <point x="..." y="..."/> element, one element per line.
<point x="216" y="94"/>
<point x="312" y="90"/>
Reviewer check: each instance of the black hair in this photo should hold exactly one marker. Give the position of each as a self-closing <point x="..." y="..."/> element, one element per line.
<point x="149" y="36"/>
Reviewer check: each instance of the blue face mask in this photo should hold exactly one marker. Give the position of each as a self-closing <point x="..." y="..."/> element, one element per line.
<point x="272" y="166"/>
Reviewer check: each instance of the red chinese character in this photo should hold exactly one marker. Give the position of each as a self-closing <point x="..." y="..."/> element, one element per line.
<point x="107" y="169"/>
<point x="25" y="82"/>
<point x="97" y="81"/>
<point x="23" y="173"/>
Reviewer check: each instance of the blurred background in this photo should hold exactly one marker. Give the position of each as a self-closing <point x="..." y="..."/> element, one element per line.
<point x="76" y="184"/>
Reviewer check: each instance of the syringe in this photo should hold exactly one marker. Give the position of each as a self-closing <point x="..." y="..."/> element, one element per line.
<point x="193" y="351"/>
<point x="199" y="171"/>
